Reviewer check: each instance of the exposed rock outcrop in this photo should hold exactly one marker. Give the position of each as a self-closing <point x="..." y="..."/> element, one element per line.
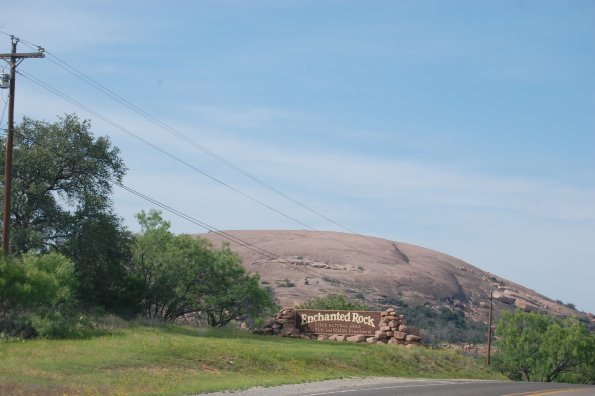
<point x="384" y="273"/>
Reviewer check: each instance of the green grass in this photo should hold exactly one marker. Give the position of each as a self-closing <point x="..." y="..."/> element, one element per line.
<point x="178" y="360"/>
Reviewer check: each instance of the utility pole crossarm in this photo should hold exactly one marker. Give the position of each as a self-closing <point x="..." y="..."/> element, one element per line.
<point x="23" y="55"/>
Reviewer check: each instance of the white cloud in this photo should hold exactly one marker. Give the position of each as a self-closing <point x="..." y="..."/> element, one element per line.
<point x="423" y="183"/>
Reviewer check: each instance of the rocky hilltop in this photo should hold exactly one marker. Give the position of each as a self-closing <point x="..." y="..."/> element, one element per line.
<point x="298" y="265"/>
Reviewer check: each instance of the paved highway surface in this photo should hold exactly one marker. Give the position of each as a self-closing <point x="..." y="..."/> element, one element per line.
<point x="463" y="388"/>
<point x="404" y="387"/>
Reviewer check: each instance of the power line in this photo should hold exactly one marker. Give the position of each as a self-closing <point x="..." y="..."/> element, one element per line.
<point x="232" y="238"/>
<point x="202" y="224"/>
<point x="227" y="236"/>
<point x="166" y="153"/>
<point x="106" y="91"/>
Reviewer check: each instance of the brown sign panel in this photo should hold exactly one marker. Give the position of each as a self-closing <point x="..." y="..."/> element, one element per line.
<point x="337" y="322"/>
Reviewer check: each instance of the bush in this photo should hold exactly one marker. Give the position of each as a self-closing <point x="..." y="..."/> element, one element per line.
<point x="37" y="296"/>
<point x="286" y="283"/>
<point x="333" y="302"/>
<point x="440" y="325"/>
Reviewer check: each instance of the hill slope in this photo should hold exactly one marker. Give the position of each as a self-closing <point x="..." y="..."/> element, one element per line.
<point x="311" y="263"/>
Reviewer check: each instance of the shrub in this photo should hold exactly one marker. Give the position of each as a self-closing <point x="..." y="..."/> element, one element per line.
<point x="286" y="283"/>
<point x="332" y="302"/>
<point x="37" y="296"/>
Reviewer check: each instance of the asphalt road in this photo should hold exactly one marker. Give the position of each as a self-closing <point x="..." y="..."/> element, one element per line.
<point x="417" y="387"/>
<point x="463" y="388"/>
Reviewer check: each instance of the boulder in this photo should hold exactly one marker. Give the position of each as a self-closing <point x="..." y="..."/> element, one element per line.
<point x="412" y="338"/>
<point x="526" y="306"/>
<point x="503" y="298"/>
<point x="399" y="335"/>
<point x="356" y="338"/>
<point x="380" y="335"/>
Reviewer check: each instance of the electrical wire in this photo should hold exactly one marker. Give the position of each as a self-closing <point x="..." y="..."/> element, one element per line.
<point x="143" y="140"/>
<point x="106" y="91"/>
<point x="166" y="153"/>
<point x="75" y="72"/>
<point x="90" y="81"/>
<point x="202" y="224"/>
<point x="227" y="236"/>
<point x="232" y="238"/>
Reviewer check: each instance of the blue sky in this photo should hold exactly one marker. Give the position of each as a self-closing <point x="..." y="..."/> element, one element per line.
<point x="463" y="126"/>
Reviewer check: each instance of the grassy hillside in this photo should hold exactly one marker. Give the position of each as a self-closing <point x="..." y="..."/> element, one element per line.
<point x="179" y="360"/>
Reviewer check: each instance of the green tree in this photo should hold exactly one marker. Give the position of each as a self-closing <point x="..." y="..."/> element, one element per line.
<point x="61" y="175"/>
<point x="101" y="249"/>
<point x="536" y="347"/>
<point x="183" y="275"/>
<point x="333" y="301"/>
<point x="62" y="184"/>
<point x="233" y="292"/>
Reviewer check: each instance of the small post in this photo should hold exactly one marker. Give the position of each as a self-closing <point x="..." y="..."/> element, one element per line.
<point x="490" y="329"/>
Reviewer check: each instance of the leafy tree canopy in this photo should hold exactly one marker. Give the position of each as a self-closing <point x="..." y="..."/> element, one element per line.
<point x="536" y="347"/>
<point x="62" y="176"/>
<point x="183" y="275"/>
<point x="62" y="183"/>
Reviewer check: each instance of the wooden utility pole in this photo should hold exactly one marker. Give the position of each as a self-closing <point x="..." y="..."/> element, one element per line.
<point x="490" y="329"/>
<point x="13" y="59"/>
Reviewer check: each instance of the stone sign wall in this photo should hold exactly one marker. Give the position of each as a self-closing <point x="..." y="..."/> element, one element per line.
<point x="389" y="328"/>
<point x="337" y="322"/>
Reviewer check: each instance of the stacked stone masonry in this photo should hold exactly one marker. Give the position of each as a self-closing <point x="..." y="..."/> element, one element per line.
<point x="393" y="330"/>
